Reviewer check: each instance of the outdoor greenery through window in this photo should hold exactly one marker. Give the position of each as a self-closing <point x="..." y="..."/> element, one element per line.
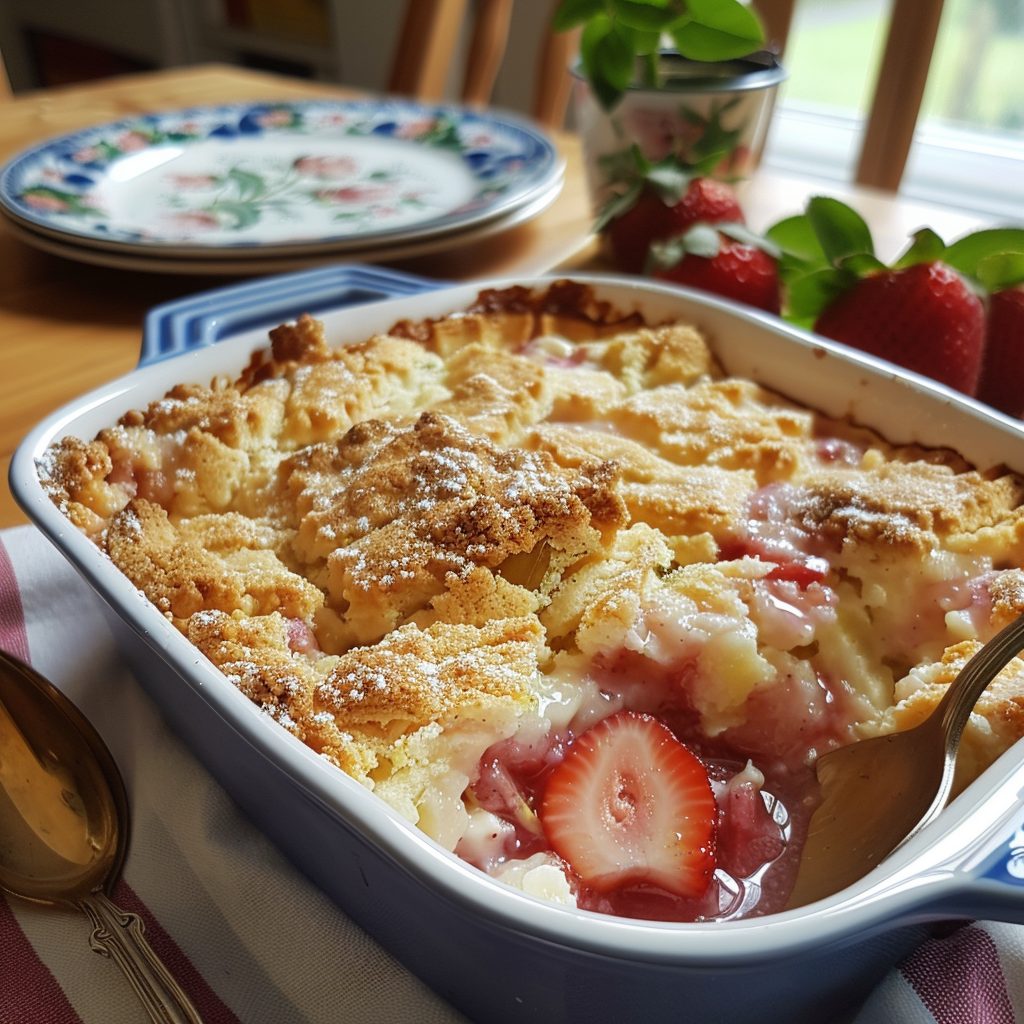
<point x="968" y="149"/>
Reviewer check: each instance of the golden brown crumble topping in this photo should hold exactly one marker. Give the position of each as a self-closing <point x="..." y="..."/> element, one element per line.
<point x="405" y="549"/>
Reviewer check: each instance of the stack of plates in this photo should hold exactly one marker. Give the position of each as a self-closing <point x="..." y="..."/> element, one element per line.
<point x="261" y="188"/>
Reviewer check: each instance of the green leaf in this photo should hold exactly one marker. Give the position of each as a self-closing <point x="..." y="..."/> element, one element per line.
<point x="624" y="165"/>
<point x="702" y="240"/>
<point x="717" y="142"/>
<point x="861" y="264"/>
<point x="669" y="180"/>
<point x="1003" y="270"/>
<point x="967" y="253"/>
<point x="647" y="15"/>
<point x="665" y="253"/>
<point x="607" y="60"/>
<point x="718" y="30"/>
<point x="796" y="237"/>
<point x="841" y="230"/>
<point x="645" y="44"/>
<point x="927" y="247"/>
<point x="741" y="233"/>
<point x="617" y="205"/>
<point x="249" y="185"/>
<point x="571" y="13"/>
<point x="704" y="164"/>
<point x="807" y="296"/>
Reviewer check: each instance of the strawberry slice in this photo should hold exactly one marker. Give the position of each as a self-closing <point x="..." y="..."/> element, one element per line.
<point x="630" y="804"/>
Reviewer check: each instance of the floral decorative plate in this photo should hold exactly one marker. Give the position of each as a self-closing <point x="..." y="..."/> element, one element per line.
<point x="266" y="260"/>
<point x="281" y="176"/>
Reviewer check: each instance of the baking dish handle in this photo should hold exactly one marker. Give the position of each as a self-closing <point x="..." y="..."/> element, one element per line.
<point x="196" y="321"/>
<point x="987" y="880"/>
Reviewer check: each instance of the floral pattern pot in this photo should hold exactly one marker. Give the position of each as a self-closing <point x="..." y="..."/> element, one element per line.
<point x="699" y="109"/>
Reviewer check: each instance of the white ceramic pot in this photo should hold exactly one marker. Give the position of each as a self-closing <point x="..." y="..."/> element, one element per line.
<point x="723" y="107"/>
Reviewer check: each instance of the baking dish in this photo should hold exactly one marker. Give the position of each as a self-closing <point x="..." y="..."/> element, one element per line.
<point x="496" y="953"/>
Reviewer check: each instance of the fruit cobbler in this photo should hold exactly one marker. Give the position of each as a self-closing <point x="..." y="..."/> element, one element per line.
<point x="560" y="591"/>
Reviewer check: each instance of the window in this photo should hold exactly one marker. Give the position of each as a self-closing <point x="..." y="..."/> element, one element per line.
<point x="969" y="142"/>
<point x="968" y="148"/>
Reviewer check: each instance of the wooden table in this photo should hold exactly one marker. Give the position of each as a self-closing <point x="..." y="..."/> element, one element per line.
<point x="67" y="327"/>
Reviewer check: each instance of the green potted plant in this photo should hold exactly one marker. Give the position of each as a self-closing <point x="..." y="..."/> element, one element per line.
<point x="667" y="90"/>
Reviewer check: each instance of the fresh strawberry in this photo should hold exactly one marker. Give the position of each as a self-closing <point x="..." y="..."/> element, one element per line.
<point x="994" y="260"/>
<point x="655" y="200"/>
<point x="923" y="317"/>
<point x="631" y="805"/>
<point x="722" y="259"/>
<point x="919" y="313"/>
<point x="1002" y="375"/>
<point x="654" y="216"/>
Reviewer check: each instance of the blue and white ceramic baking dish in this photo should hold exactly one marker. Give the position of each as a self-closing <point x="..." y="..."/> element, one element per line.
<point x="496" y="953"/>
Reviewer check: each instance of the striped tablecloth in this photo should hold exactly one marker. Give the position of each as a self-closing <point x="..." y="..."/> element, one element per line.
<point x="247" y="937"/>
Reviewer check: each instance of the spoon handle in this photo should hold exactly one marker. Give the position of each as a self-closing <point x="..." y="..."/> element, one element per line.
<point x="120" y="935"/>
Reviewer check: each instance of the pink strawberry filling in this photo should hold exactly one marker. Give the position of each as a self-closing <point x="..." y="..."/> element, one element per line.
<point x="772" y="534"/>
<point x="761" y="807"/>
<point x="759" y="824"/>
<point x="556" y="352"/>
<point x="835" y="450"/>
<point x="137" y="481"/>
<point x="302" y="639"/>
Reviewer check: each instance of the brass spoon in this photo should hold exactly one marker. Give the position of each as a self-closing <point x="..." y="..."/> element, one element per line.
<point x="878" y="793"/>
<point x="64" y="828"/>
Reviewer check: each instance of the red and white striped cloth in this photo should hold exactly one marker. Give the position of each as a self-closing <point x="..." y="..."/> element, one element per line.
<point x="249" y="938"/>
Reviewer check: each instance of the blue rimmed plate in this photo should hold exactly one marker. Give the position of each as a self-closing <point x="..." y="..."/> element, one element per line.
<point x="177" y="327"/>
<point x="257" y="179"/>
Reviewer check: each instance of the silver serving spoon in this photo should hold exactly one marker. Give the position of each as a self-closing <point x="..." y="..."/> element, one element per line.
<point x="64" y="828"/>
<point x="877" y="793"/>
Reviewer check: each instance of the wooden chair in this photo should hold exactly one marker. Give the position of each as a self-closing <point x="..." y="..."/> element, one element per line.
<point x="899" y="88"/>
<point x="899" y="92"/>
<point x="429" y="40"/>
<point x="430" y="36"/>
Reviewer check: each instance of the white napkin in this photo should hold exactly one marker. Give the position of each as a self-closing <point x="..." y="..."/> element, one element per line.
<point x="248" y="937"/>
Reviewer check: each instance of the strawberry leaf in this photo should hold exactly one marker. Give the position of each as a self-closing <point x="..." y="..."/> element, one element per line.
<point x="861" y="264"/>
<point x="966" y="254"/>
<point x="700" y="240"/>
<point x="669" y="180"/>
<point x="800" y="250"/>
<point x="841" y="231"/>
<point x="1003" y="270"/>
<point x="741" y="233"/>
<point x="807" y="296"/>
<point x="666" y="253"/>
<point x="926" y="247"/>
<point x="617" y="205"/>
<point x="625" y="165"/>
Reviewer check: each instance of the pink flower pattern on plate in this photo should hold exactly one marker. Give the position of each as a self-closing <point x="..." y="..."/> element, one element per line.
<point x="326" y="166"/>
